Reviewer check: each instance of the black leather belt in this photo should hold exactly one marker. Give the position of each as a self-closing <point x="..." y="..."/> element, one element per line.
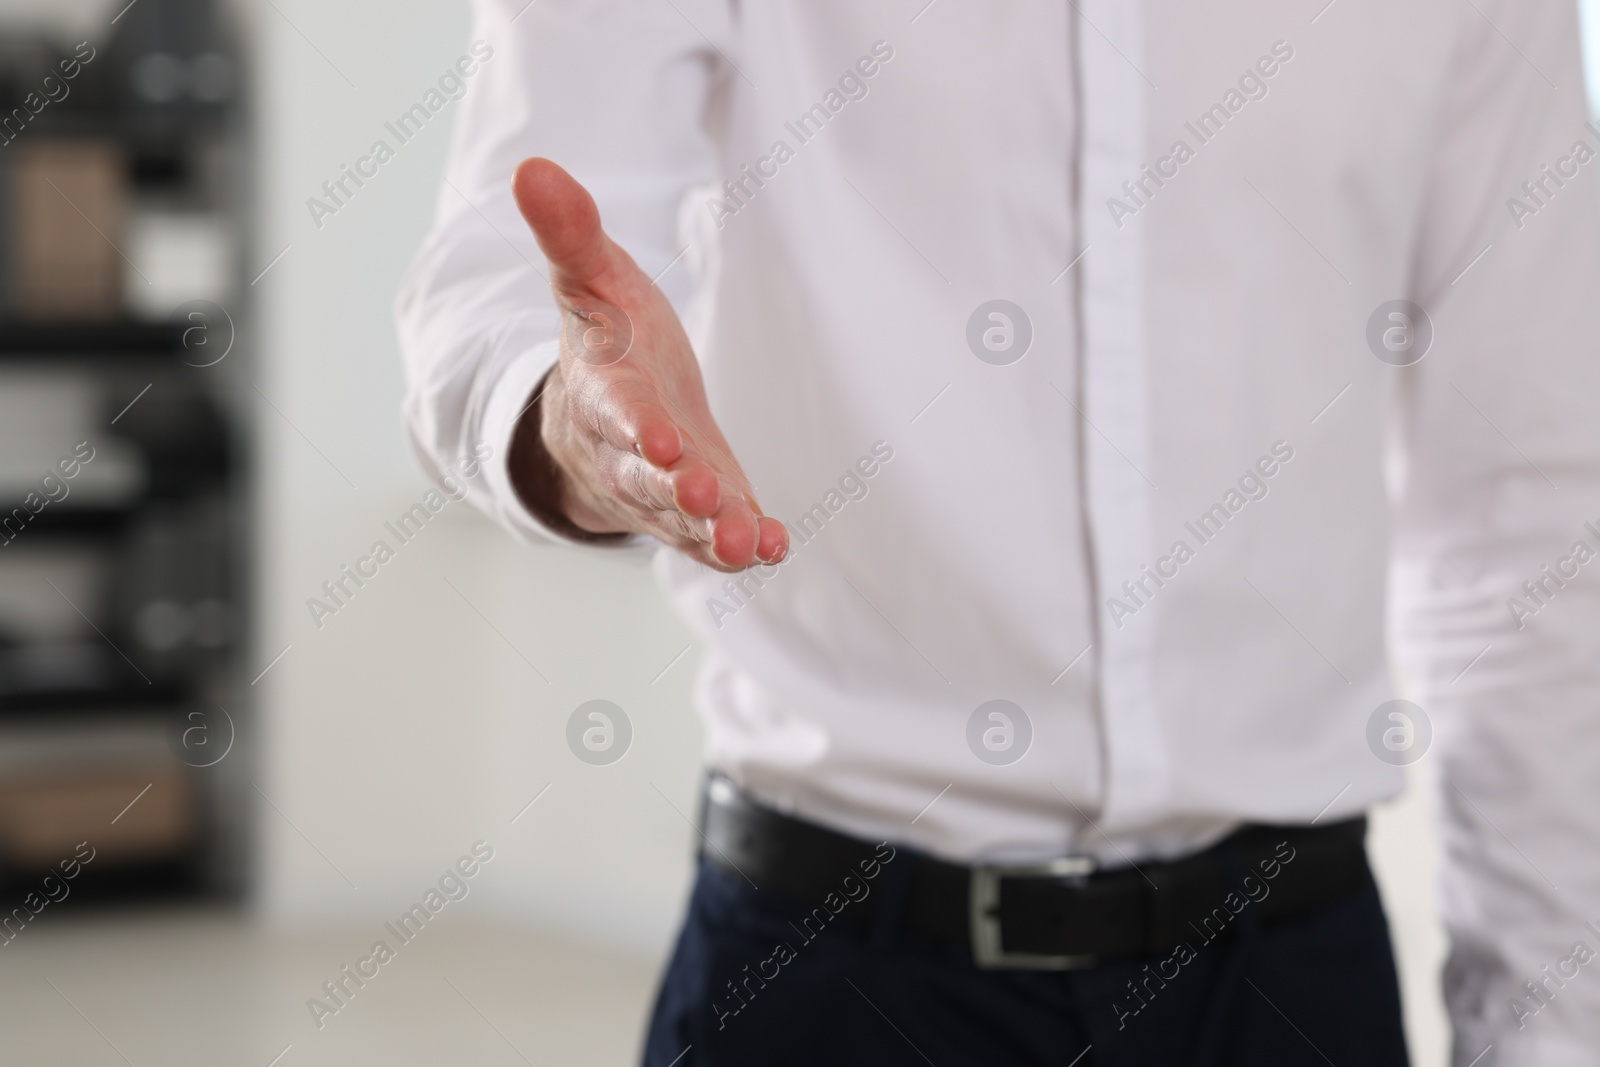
<point x="1059" y="915"/>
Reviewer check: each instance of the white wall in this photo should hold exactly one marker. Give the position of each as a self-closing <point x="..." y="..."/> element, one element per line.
<point x="407" y="727"/>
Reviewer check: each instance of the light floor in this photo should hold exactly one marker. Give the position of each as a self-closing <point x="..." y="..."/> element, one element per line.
<point x="171" y="988"/>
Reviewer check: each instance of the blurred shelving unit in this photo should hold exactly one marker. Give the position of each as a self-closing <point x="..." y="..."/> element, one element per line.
<point x="124" y="502"/>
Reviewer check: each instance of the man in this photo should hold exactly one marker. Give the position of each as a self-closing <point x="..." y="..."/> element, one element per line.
<point x="1084" y="386"/>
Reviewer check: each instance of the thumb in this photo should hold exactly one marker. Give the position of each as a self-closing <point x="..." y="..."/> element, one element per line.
<point x="564" y="220"/>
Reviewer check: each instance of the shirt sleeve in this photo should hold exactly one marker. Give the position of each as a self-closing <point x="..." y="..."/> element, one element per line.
<point x="1495" y="596"/>
<point x="618" y="93"/>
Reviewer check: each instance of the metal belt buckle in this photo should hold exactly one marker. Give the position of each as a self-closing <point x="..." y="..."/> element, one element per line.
<point x="984" y="897"/>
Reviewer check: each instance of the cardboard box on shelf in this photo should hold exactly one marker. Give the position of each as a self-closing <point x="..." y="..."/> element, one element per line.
<point x="68" y="202"/>
<point x="42" y="819"/>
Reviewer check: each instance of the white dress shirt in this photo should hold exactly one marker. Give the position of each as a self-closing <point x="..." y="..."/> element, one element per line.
<point x="969" y="526"/>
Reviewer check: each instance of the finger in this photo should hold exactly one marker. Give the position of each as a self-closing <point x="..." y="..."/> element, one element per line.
<point x="655" y="436"/>
<point x="689" y="486"/>
<point x="564" y="220"/>
<point x="741" y="523"/>
<point x="696" y="489"/>
<point x="772" y="544"/>
<point x="697" y="538"/>
<point x="627" y="417"/>
<point x="638" y="485"/>
<point x="734" y="532"/>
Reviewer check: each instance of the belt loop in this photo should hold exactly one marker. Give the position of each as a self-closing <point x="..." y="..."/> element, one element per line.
<point x="894" y="889"/>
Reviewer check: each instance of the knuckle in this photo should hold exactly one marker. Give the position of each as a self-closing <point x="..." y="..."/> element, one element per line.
<point x="675" y="525"/>
<point x="639" y="483"/>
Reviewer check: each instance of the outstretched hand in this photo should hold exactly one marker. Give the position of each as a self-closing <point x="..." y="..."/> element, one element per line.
<point x="624" y="416"/>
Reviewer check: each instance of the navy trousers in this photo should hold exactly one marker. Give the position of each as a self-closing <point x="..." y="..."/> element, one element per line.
<point x="752" y="984"/>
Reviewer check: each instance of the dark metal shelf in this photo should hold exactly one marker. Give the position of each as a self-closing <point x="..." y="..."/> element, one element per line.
<point x="118" y="337"/>
<point x="119" y="697"/>
<point x="82" y="521"/>
<point x="66" y="705"/>
<point x="90" y="675"/>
